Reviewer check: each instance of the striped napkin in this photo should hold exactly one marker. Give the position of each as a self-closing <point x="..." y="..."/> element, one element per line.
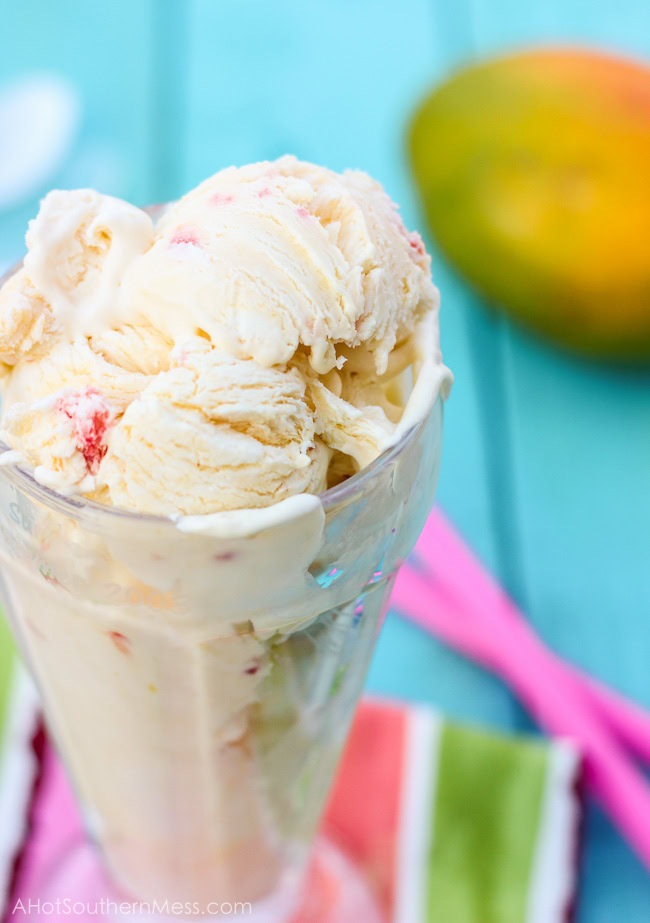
<point x="447" y="824"/>
<point x="453" y="824"/>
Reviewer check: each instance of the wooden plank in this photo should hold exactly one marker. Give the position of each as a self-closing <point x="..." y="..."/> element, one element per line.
<point x="582" y="443"/>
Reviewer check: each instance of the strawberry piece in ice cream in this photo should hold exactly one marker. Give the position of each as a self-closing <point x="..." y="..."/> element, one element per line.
<point x="220" y="199"/>
<point x="120" y="641"/>
<point x="91" y="417"/>
<point x="185" y="236"/>
<point x="417" y="244"/>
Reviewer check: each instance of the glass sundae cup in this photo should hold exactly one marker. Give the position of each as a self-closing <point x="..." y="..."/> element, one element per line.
<point x="199" y="678"/>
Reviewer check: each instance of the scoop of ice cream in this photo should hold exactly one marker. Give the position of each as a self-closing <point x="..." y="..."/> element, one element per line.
<point x="78" y="249"/>
<point x="266" y="258"/>
<point x="259" y="335"/>
<point x="220" y="433"/>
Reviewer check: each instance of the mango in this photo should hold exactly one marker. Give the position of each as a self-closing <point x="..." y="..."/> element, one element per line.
<point x="534" y="170"/>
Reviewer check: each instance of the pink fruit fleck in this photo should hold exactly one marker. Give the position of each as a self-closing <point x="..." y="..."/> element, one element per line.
<point x="120" y="641"/>
<point x="91" y="417"/>
<point x="220" y="198"/>
<point x="254" y="667"/>
<point x="51" y="579"/>
<point x="302" y="212"/>
<point x="185" y="236"/>
<point x="264" y="192"/>
<point x="225" y="556"/>
<point x="48" y="575"/>
<point x="416" y="243"/>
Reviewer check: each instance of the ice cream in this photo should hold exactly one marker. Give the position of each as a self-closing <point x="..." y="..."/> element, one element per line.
<point x="253" y="329"/>
<point x="272" y="334"/>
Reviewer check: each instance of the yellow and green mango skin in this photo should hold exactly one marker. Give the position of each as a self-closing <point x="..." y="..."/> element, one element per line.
<point x="535" y="174"/>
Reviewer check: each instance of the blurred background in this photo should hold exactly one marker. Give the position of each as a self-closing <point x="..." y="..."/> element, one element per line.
<point x="547" y="455"/>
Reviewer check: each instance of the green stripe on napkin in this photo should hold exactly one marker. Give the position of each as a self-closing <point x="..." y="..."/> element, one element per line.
<point x="7" y="658"/>
<point x="487" y="810"/>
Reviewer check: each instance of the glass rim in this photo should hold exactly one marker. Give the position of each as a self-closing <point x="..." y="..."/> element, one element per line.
<point x="77" y="504"/>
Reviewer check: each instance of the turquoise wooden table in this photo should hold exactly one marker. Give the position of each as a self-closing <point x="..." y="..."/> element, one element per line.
<point x="547" y="458"/>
